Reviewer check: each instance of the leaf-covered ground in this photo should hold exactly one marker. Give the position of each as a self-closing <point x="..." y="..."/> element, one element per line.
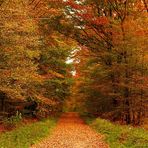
<point x="72" y="132"/>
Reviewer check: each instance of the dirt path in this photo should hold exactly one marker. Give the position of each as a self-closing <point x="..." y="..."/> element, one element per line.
<point x="72" y="132"/>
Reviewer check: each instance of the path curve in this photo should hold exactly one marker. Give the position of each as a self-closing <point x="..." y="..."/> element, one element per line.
<point x="72" y="132"/>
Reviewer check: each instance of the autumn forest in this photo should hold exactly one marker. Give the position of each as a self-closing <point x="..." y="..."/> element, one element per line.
<point x="61" y="58"/>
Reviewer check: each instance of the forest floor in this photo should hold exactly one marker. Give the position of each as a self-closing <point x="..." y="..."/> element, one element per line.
<point x="72" y="132"/>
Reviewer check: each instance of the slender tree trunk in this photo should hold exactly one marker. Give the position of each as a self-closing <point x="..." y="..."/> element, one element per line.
<point x="140" y="112"/>
<point x="2" y="105"/>
<point x="145" y="5"/>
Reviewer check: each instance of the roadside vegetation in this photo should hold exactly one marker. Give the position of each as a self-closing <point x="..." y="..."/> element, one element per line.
<point x="27" y="135"/>
<point x="119" y="136"/>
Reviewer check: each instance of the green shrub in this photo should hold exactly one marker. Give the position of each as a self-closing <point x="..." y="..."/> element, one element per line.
<point x="13" y="121"/>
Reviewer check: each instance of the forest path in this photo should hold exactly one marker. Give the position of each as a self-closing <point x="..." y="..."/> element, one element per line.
<point x="72" y="132"/>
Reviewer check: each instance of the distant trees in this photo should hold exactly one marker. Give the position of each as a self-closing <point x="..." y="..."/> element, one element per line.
<point x="54" y="69"/>
<point x="116" y="69"/>
<point x="55" y="49"/>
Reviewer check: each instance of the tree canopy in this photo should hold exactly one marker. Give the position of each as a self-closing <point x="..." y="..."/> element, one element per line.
<point x="106" y="40"/>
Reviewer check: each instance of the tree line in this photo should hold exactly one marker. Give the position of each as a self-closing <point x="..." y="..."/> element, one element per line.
<point x="33" y="69"/>
<point x="112" y="65"/>
<point x="109" y="40"/>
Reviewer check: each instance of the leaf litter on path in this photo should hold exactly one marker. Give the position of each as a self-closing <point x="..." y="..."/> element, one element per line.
<point x="72" y="132"/>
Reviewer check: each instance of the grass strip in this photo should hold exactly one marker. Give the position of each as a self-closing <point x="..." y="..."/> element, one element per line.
<point x="119" y="136"/>
<point x="27" y="135"/>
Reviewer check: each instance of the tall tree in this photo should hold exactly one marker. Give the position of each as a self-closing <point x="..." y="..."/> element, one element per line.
<point x="19" y="50"/>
